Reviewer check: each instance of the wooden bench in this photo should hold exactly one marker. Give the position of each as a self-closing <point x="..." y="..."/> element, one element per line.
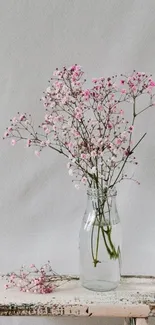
<point x="133" y="300"/>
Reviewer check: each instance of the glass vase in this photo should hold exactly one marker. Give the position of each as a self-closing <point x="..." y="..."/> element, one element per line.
<point x="100" y="242"/>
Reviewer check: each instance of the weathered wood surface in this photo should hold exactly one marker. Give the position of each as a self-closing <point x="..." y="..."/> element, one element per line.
<point x="135" y="297"/>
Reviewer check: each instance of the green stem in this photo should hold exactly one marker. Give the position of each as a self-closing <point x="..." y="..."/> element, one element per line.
<point x="97" y="246"/>
<point x="115" y="254"/>
<point x="92" y="235"/>
<point x="106" y="245"/>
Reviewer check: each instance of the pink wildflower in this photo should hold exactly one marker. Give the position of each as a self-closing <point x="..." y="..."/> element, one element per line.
<point x="86" y="94"/>
<point x="47" y="131"/>
<point x="131" y="128"/>
<point x="152" y="83"/>
<point x="118" y="141"/>
<point x="99" y="108"/>
<point x="123" y="91"/>
<point x="37" y="153"/>
<point x="6" y="134"/>
<point x="70" y="145"/>
<point x="94" y="80"/>
<point x="122" y="82"/>
<point x="134" y="88"/>
<point x="124" y="135"/>
<point x="78" y="116"/>
<point x="93" y="154"/>
<point x="83" y="156"/>
<point x="110" y="125"/>
<point x="28" y="143"/>
<point x="47" y="142"/>
<point x="78" y="110"/>
<point x="56" y="73"/>
<point x="76" y="133"/>
<point x="32" y="265"/>
<point x="149" y="90"/>
<point x="10" y="128"/>
<point x="13" y="142"/>
<point x="84" y="180"/>
<point x="14" y="120"/>
<point x="22" y="117"/>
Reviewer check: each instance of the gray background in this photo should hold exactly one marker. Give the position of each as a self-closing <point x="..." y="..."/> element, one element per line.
<point x="40" y="210"/>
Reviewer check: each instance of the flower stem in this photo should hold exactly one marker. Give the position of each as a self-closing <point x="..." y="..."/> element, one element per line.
<point x="97" y="246"/>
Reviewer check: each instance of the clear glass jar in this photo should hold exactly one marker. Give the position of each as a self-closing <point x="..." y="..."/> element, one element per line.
<point x="100" y="242"/>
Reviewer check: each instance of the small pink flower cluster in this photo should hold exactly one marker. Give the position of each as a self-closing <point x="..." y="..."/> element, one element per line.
<point x="87" y="125"/>
<point x="33" y="279"/>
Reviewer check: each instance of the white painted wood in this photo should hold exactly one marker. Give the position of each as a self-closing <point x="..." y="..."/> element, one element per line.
<point x="135" y="297"/>
<point x="141" y="321"/>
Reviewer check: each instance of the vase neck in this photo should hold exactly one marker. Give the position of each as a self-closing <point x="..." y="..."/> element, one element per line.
<point x="102" y="194"/>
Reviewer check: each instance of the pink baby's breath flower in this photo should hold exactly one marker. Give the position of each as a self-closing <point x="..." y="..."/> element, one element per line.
<point x="93" y="154"/>
<point x="70" y="145"/>
<point x="118" y="141"/>
<point x="123" y="91"/>
<point x="134" y="88"/>
<point x="100" y="141"/>
<point x="86" y="125"/>
<point x="37" y="153"/>
<point x="86" y="93"/>
<point x="12" y="276"/>
<point x="152" y="83"/>
<point x="10" y="128"/>
<point x="84" y="180"/>
<point x="14" y="120"/>
<point x="22" y="117"/>
<point x="56" y="73"/>
<point x="6" y="134"/>
<point x="76" y="133"/>
<point x="13" y="142"/>
<point x="83" y="156"/>
<point x="131" y="128"/>
<point x="32" y="265"/>
<point x="123" y="135"/>
<point x="48" y="143"/>
<point x="47" y="131"/>
<point x="99" y="108"/>
<point x="149" y="89"/>
<point x="110" y="126"/>
<point x="52" y="104"/>
<point x="48" y="90"/>
<point x="78" y="116"/>
<point x="78" y="110"/>
<point x="73" y="67"/>
<point x="43" y="143"/>
<point x="28" y="143"/>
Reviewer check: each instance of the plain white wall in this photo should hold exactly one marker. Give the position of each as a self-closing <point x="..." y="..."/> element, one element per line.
<point x="40" y="210"/>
